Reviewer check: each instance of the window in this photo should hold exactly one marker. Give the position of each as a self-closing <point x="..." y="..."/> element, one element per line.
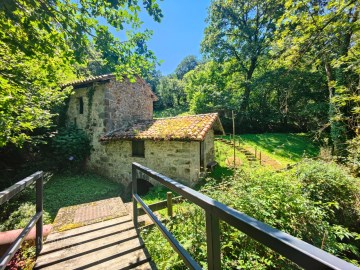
<point x="81" y="105"/>
<point x="138" y="149"/>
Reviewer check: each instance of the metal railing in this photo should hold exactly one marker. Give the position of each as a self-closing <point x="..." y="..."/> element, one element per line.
<point x="296" y="250"/>
<point x="36" y="220"/>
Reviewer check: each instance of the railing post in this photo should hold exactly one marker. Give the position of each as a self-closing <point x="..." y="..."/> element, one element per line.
<point x="169" y="204"/>
<point x="134" y="191"/>
<point x="213" y="242"/>
<point x="39" y="209"/>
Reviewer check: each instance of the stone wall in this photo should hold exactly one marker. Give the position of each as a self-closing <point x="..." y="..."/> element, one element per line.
<point x="126" y="101"/>
<point x="107" y="105"/>
<point x="114" y="103"/>
<point x="209" y="147"/>
<point x="177" y="160"/>
<point x="92" y="118"/>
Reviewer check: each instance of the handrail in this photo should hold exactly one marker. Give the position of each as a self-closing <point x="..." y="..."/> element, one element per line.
<point x="36" y="220"/>
<point x="298" y="251"/>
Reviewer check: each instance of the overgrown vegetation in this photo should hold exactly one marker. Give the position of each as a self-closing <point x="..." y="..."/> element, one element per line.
<point x="288" y="66"/>
<point x="46" y="44"/>
<point x="281" y="200"/>
<point x="70" y="147"/>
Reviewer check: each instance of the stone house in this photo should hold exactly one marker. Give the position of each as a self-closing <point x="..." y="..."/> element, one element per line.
<point x="118" y="118"/>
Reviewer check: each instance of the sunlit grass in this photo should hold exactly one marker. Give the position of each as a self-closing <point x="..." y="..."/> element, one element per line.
<point x="286" y="148"/>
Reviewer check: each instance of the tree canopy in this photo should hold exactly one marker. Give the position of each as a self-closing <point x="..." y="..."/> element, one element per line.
<point x="241" y="32"/>
<point x="45" y="43"/>
<point x="188" y="63"/>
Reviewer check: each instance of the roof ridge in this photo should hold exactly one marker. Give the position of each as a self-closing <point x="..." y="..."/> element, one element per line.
<point x="183" y="116"/>
<point x="193" y="128"/>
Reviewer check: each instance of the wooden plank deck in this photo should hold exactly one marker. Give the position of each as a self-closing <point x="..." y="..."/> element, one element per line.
<point x="111" y="244"/>
<point x="96" y="235"/>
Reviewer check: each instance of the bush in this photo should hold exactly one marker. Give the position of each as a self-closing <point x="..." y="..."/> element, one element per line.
<point x="21" y="217"/>
<point x="273" y="198"/>
<point x="71" y="146"/>
<point x="333" y="189"/>
<point x="354" y="155"/>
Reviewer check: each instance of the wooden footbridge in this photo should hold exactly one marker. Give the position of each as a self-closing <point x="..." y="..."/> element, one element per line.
<point x="104" y="234"/>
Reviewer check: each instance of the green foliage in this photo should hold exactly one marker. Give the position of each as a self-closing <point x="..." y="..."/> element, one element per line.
<point x="336" y="191"/>
<point x="239" y="32"/>
<point x="169" y="112"/>
<point x="188" y="63"/>
<point x="354" y="155"/>
<point x="171" y="92"/>
<point x="71" y="146"/>
<point x="30" y="89"/>
<point x="21" y="217"/>
<point x="42" y="43"/>
<point x="288" y="99"/>
<point x="208" y="89"/>
<point x="278" y="199"/>
<point x="325" y="34"/>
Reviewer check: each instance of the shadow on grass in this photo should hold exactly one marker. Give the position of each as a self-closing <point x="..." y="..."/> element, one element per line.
<point x="66" y="190"/>
<point x="219" y="172"/>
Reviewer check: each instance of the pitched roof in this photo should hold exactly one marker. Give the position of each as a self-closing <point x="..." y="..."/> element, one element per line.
<point x="181" y="128"/>
<point x="90" y="79"/>
<point x="104" y="78"/>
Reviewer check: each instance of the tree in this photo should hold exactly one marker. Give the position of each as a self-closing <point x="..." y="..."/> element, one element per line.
<point x="188" y="63"/>
<point x="240" y="32"/>
<point x="288" y="100"/>
<point x="41" y="42"/>
<point x="171" y="92"/>
<point x="326" y="34"/>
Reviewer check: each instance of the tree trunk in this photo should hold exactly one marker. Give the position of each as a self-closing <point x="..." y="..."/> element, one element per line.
<point x="246" y="96"/>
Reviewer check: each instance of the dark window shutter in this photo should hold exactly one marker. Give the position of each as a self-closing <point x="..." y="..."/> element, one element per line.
<point x="138" y="148"/>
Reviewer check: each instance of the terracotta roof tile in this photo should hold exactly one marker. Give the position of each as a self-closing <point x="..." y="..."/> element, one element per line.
<point x="181" y="128"/>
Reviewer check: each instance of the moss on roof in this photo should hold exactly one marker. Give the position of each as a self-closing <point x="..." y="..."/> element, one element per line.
<point x="182" y="128"/>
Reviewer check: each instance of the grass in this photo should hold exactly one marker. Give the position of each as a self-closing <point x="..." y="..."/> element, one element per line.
<point x="287" y="148"/>
<point x="66" y="190"/>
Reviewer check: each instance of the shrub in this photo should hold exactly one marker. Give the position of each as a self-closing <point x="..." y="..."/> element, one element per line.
<point x="354" y="155"/>
<point x="71" y="146"/>
<point x="334" y="189"/>
<point x="273" y="198"/>
<point x="21" y="217"/>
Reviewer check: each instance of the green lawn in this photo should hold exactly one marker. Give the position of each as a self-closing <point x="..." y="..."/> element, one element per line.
<point x="283" y="147"/>
<point x="286" y="147"/>
<point x="65" y="190"/>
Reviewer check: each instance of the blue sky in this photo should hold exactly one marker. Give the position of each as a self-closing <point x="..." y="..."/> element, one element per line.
<point x="178" y="35"/>
<point x="180" y="32"/>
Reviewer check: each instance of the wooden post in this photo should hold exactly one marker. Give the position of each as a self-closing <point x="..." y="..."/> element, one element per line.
<point x="233" y="122"/>
<point x="134" y="202"/>
<point x="169" y="204"/>
<point x="39" y="209"/>
<point x="213" y="242"/>
<point x="260" y="157"/>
